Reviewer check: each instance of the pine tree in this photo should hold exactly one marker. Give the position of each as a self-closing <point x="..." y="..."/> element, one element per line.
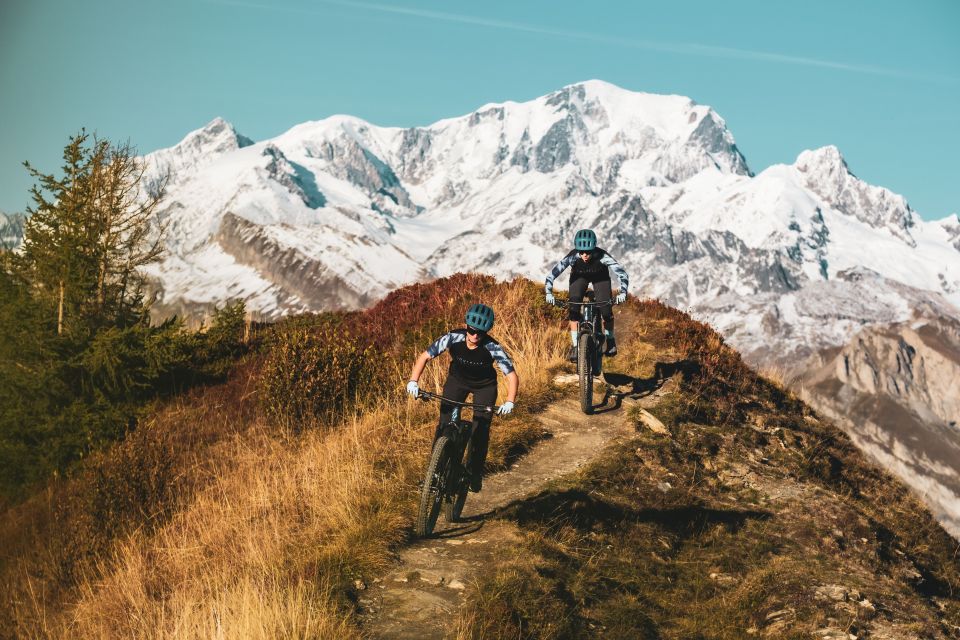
<point x="51" y="259"/>
<point x="126" y="235"/>
<point x="88" y="233"/>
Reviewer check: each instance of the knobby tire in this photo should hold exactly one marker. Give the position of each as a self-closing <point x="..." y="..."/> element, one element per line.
<point x="433" y="492"/>
<point x="585" y="370"/>
<point x="454" y="506"/>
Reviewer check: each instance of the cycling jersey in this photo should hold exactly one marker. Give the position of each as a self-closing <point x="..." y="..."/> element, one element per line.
<point x="597" y="269"/>
<point x="472" y="366"/>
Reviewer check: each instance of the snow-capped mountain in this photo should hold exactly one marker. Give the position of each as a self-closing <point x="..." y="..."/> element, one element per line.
<point x="791" y="264"/>
<point x="11" y="230"/>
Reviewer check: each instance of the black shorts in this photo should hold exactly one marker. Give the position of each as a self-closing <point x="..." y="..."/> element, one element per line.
<point x="458" y="390"/>
<point x="601" y="293"/>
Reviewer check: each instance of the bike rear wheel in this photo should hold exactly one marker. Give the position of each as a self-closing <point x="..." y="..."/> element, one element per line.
<point x="585" y="348"/>
<point x="458" y="489"/>
<point x="434" y="486"/>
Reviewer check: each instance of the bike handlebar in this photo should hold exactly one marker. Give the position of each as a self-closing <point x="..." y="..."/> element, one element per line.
<point x="426" y="395"/>
<point x="566" y="303"/>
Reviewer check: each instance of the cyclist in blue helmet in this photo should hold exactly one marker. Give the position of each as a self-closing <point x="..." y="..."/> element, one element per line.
<point x="473" y="352"/>
<point x="589" y="265"/>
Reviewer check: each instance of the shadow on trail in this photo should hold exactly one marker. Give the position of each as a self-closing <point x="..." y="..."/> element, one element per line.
<point x="641" y="387"/>
<point x="462" y="527"/>
<point x="519" y="450"/>
<point x="584" y="512"/>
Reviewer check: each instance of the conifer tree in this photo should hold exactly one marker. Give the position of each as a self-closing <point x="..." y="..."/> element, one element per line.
<point x="88" y="233"/>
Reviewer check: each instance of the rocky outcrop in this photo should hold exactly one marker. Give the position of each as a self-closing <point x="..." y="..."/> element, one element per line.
<point x="896" y="390"/>
<point x="295" y="178"/>
<point x="311" y="283"/>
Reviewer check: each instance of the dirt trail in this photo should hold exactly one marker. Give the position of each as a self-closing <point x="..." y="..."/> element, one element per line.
<point x="419" y="598"/>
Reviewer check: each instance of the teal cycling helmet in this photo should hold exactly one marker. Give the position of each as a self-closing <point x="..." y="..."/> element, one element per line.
<point x="585" y="240"/>
<point x="480" y="317"/>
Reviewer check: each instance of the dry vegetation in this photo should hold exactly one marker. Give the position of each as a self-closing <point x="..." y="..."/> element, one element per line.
<point x="249" y="510"/>
<point x="752" y="518"/>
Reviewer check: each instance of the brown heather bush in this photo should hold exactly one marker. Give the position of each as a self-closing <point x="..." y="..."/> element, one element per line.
<point x="318" y="375"/>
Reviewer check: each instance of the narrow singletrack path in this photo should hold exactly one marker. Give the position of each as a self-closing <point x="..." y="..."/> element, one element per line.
<point x="419" y="598"/>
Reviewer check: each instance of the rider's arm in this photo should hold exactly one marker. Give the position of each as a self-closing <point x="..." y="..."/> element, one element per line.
<point x="621" y="273"/>
<point x="439" y="346"/>
<point x="513" y="385"/>
<point x="506" y="366"/>
<point x="419" y="365"/>
<point x="558" y="268"/>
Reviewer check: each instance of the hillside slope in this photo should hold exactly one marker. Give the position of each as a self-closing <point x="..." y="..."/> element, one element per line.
<point x="262" y="509"/>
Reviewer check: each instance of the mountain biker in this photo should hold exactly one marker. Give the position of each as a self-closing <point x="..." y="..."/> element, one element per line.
<point x="472" y="356"/>
<point x="589" y="265"/>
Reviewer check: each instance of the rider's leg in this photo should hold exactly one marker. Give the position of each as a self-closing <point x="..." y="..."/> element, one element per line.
<point x="454" y="390"/>
<point x="603" y="294"/>
<point x="481" y="434"/>
<point x="578" y="287"/>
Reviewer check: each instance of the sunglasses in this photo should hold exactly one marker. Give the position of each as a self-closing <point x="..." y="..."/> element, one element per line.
<point x="475" y="332"/>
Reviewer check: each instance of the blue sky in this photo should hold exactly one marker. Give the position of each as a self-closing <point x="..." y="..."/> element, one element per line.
<point x="879" y="79"/>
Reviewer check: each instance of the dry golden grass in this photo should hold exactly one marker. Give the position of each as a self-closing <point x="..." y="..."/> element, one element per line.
<point x="274" y="536"/>
<point x="777" y="375"/>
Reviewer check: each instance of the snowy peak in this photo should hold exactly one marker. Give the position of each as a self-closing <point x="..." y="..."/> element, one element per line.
<point x="823" y="161"/>
<point x="198" y="148"/>
<point x="334" y="214"/>
<point x="214" y="139"/>
<point x="825" y="172"/>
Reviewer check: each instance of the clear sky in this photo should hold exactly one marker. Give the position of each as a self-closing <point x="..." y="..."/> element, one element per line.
<point x="878" y="78"/>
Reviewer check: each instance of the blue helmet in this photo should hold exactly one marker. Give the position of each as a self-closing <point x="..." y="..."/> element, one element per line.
<point x="480" y="317"/>
<point x="585" y="240"/>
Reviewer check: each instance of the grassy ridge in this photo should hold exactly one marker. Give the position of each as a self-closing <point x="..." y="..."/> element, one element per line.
<point x="725" y="528"/>
<point x="249" y="509"/>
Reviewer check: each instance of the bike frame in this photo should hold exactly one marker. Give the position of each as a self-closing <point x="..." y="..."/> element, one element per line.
<point x="450" y="484"/>
<point x="590" y="324"/>
<point x="589" y="348"/>
<point x="463" y="428"/>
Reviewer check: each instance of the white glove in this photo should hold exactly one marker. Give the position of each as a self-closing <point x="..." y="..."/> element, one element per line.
<point x="621" y="297"/>
<point x="505" y="408"/>
<point x="550" y="299"/>
<point x="413" y="388"/>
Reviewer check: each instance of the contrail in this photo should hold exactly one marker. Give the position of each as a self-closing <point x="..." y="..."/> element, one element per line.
<point x="682" y="48"/>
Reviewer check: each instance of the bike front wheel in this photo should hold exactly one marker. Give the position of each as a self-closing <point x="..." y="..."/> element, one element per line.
<point x="434" y="486"/>
<point x="458" y="489"/>
<point x="585" y="349"/>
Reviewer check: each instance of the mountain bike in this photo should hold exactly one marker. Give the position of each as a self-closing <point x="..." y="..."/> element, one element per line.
<point x="447" y="479"/>
<point x="590" y="344"/>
